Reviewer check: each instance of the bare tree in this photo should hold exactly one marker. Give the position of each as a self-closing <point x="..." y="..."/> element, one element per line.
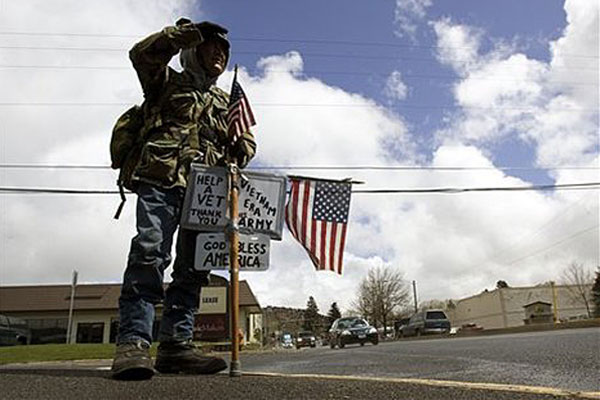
<point x="579" y="281"/>
<point x="432" y="304"/>
<point x="380" y="293"/>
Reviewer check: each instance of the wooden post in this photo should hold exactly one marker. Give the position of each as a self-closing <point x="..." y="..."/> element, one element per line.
<point x="235" y="365"/>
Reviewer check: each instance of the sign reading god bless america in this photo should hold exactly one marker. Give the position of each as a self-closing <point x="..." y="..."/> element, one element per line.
<point x="261" y="202"/>
<point x="212" y="252"/>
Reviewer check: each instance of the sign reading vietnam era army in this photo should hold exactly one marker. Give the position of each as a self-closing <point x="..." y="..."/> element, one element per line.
<point x="212" y="252"/>
<point x="261" y="202"/>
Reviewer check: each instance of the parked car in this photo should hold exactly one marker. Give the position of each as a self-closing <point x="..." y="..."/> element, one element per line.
<point x="426" y="322"/>
<point x="287" y="342"/>
<point x="13" y="331"/>
<point x="351" y="330"/>
<point x="306" y="339"/>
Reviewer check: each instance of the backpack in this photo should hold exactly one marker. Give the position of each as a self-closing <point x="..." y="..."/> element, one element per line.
<point x="125" y="148"/>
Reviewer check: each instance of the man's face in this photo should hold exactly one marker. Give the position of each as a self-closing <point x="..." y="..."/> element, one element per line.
<point x="213" y="57"/>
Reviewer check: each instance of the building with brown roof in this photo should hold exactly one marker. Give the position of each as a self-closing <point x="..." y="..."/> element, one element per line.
<point x="95" y="311"/>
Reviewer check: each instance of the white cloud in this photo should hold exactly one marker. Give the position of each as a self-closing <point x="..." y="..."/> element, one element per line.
<point x="553" y="105"/>
<point x="395" y="88"/>
<point x="452" y="245"/>
<point x="407" y="14"/>
<point x="44" y="237"/>
<point x="458" y="45"/>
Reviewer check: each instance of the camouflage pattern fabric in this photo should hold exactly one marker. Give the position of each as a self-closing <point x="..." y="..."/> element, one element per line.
<point x="184" y="120"/>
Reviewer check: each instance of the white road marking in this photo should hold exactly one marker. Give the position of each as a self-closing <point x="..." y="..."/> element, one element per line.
<point x="441" y="383"/>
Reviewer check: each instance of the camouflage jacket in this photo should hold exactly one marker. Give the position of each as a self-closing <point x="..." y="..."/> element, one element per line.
<point x="182" y="123"/>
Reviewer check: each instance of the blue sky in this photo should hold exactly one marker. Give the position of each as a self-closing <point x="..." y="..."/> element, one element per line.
<point x="356" y="46"/>
<point x="425" y="83"/>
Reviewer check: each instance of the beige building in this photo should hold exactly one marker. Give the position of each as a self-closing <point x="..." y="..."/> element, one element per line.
<point x="95" y="312"/>
<point x="505" y="307"/>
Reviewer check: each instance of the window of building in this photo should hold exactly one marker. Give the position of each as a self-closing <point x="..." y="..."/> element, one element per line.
<point x="114" y="329"/>
<point x="48" y="330"/>
<point x="90" y="332"/>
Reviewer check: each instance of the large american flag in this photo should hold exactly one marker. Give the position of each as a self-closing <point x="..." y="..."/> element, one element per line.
<point x="239" y="115"/>
<point x="317" y="216"/>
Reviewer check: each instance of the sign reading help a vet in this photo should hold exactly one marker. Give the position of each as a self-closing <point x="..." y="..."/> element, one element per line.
<point x="205" y="204"/>
<point x="261" y="202"/>
<point x="212" y="252"/>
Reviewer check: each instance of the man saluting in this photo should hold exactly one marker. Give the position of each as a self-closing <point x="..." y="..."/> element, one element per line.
<point x="184" y="120"/>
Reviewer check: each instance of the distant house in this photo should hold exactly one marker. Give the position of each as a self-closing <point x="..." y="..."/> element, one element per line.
<point x="95" y="315"/>
<point x="538" y="312"/>
<point x="504" y="307"/>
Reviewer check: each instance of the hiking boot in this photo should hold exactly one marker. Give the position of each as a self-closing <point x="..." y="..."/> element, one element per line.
<point x="184" y="357"/>
<point x="132" y="362"/>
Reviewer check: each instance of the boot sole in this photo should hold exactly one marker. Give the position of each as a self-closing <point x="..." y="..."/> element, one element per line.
<point x="133" y="374"/>
<point x="211" y="368"/>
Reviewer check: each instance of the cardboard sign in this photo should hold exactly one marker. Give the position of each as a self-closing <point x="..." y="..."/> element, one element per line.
<point x="205" y="204"/>
<point x="261" y="202"/>
<point x="212" y="252"/>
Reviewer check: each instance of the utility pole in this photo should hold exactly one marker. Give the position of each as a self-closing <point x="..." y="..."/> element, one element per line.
<point x="71" y="304"/>
<point x="414" y="284"/>
<point x="554" y="302"/>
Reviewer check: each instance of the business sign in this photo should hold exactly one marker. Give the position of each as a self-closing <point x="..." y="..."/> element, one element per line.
<point x="261" y="202"/>
<point x="212" y="252"/>
<point x="211" y="327"/>
<point x="213" y="300"/>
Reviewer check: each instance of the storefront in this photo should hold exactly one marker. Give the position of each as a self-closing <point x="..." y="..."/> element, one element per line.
<point x="95" y="312"/>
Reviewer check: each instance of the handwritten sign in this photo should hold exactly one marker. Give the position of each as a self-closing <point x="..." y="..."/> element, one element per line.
<point x="261" y="202"/>
<point x="212" y="252"/>
<point x="205" y="204"/>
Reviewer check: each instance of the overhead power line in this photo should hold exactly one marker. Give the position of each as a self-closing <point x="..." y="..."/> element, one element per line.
<point x="569" y="186"/>
<point x="557" y="243"/>
<point x="498" y="78"/>
<point x="267" y="40"/>
<point x="448" y="190"/>
<point x="335" y="167"/>
<point x="296" y="105"/>
<point x="265" y="53"/>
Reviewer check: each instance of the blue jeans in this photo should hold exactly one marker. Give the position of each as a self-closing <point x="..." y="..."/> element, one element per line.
<point x="158" y="213"/>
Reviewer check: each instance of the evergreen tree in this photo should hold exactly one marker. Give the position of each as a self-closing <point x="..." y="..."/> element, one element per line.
<point x="333" y="314"/>
<point x="312" y="318"/>
<point x="596" y="294"/>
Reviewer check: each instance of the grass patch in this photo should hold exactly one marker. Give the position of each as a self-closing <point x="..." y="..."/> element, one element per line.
<point x="58" y="352"/>
<point x="79" y="351"/>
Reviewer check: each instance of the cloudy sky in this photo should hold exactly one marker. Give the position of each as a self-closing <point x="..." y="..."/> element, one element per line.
<point x="505" y="92"/>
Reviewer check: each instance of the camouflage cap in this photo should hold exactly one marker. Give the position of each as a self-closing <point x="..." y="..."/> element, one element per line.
<point x="209" y="30"/>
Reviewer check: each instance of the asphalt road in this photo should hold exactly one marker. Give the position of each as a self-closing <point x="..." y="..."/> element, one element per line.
<point x="566" y="359"/>
<point x="455" y="368"/>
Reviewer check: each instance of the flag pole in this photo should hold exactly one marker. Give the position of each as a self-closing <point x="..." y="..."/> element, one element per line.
<point x="235" y="365"/>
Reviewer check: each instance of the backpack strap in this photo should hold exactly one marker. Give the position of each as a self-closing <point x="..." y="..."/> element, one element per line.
<point x="123" y="200"/>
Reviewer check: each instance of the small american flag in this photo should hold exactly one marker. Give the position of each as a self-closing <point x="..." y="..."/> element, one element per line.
<point x="239" y="114"/>
<point x="317" y="216"/>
